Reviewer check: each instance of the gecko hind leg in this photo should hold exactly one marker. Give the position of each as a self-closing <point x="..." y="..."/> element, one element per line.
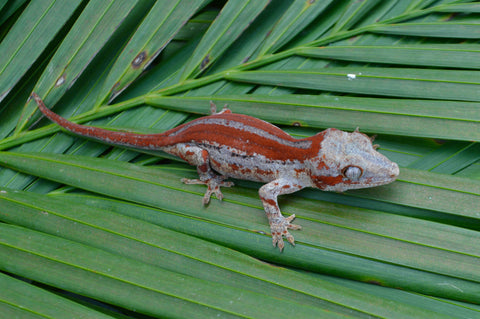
<point x="200" y="158"/>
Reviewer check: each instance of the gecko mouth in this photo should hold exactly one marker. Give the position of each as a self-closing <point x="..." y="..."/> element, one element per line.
<point x="392" y="176"/>
<point x="388" y="177"/>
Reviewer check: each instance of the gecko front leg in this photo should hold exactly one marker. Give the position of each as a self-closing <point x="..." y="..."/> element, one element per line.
<point x="279" y="225"/>
<point x="200" y="158"/>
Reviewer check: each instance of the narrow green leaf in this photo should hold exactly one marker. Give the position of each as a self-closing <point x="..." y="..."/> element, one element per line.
<point x="295" y="19"/>
<point x="319" y="239"/>
<point x="410" y="83"/>
<point x="459" y="7"/>
<point x="398" y="236"/>
<point x="34" y="301"/>
<point x="67" y="216"/>
<point x="158" y="28"/>
<point x="320" y="286"/>
<point x="247" y="47"/>
<point x="461" y="160"/>
<point x="431" y="29"/>
<point x="92" y="30"/>
<point x="234" y="18"/>
<point x="29" y="37"/>
<point x="440" y="155"/>
<point x="131" y="284"/>
<point x="8" y="9"/>
<point x="437" y="192"/>
<point x="449" y="120"/>
<point x="353" y="13"/>
<point x="319" y="27"/>
<point x="441" y="55"/>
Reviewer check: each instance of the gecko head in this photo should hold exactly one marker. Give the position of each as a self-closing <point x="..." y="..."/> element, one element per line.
<point x="348" y="161"/>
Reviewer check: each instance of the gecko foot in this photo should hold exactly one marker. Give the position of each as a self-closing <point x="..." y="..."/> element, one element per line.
<point x="279" y="228"/>
<point x="213" y="185"/>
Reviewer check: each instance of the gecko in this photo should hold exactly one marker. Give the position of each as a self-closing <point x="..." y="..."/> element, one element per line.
<point x="227" y="145"/>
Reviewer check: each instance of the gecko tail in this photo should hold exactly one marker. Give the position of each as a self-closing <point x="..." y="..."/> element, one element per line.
<point x="139" y="141"/>
<point x="53" y="116"/>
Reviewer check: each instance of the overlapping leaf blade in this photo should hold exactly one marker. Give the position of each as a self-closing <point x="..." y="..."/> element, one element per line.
<point x="79" y="48"/>
<point x="354" y="13"/>
<point x="432" y="29"/>
<point x="371" y="244"/>
<point x="32" y="33"/>
<point x="234" y="18"/>
<point x="453" y="56"/>
<point x="298" y="15"/>
<point x="162" y="23"/>
<point x="31" y="301"/>
<point x="174" y="252"/>
<point x="451" y="120"/>
<point x="152" y="190"/>
<point x="409" y="83"/>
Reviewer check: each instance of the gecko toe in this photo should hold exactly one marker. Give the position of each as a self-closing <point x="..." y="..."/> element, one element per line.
<point x="279" y="229"/>
<point x="294" y="226"/>
<point x="290" y="238"/>
<point x="277" y="241"/>
<point x="192" y="181"/>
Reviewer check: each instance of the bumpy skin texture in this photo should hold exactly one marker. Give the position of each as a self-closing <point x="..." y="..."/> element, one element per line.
<point x="225" y="145"/>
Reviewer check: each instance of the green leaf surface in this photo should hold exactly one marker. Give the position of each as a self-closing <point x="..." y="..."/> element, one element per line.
<point x="406" y="70"/>
<point x="31" y="301"/>
<point x="440" y="155"/>
<point x="466" y="157"/>
<point x="160" y="25"/>
<point x="185" y="254"/>
<point x="95" y="27"/>
<point x="120" y="280"/>
<point x="431" y="29"/>
<point x="29" y="37"/>
<point x="460" y="7"/>
<point x="450" y="120"/>
<point x="408" y="83"/>
<point x="8" y="9"/>
<point x="97" y="175"/>
<point x="234" y="18"/>
<point x="438" y="192"/>
<point x="296" y="17"/>
<point x="453" y="56"/>
<point x="311" y="284"/>
<point x="353" y="13"/>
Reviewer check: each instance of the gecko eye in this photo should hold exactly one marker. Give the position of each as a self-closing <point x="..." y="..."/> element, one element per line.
<point x="352" y="172"/>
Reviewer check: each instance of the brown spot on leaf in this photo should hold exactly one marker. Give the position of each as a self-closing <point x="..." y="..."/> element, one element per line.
<point x="374" y="282"/>
<point x="245" y="60"/>
<point x="139" y="59"/>
<point x="205" y="62"/>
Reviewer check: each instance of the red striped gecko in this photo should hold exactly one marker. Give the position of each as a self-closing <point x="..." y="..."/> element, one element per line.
<point x="225" y="145"/>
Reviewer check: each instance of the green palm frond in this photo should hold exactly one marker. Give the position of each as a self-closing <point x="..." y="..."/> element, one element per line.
<point x="77" y="220"/>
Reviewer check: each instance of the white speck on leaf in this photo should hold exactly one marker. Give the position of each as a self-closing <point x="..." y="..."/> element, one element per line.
<point x="449" y="285"/>
<point x="60" y="81"/>
<point x="351" y="76"/>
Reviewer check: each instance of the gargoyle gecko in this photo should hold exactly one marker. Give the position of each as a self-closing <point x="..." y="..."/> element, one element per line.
<point x="225" y="145"/>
